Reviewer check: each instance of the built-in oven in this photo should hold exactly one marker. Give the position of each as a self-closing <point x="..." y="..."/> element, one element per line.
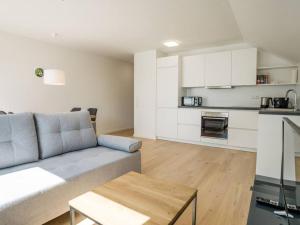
<point x="215" y="125"/>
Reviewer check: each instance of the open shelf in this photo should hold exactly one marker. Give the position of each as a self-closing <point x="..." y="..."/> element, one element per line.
<point x="276" y="84"/>
<point x="277" y="67"/>
<point x="277" y="75"/>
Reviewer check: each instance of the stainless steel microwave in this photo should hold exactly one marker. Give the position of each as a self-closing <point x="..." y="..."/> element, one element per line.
<point x="191" y="101"/>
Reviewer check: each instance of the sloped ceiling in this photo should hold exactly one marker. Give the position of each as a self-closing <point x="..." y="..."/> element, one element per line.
<point x="273" y="25"/>
<point x="119" y="28"/>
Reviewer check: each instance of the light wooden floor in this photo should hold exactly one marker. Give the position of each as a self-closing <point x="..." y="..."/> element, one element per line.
<point x="223" y="178"/>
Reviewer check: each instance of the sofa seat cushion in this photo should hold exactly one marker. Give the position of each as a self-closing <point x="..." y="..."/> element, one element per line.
<point x="64" y="132"/>
<point x="24" y="184"/>
<point x="18" y="141"/>
<point x="24" y="181"/>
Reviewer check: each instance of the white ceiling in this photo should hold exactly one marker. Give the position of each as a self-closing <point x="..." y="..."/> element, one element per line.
<point x="273" y="25"/>
<point x="119" y="28"/>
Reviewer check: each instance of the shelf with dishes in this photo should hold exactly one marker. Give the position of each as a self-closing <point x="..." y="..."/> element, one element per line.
<point x="277" y="75"/>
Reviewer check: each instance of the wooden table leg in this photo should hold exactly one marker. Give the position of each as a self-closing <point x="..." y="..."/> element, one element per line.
<point x="194" y="213"/>
<point x="72" y="216"/>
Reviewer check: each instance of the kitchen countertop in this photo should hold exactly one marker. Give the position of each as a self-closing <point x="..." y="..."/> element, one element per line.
<point x="274" y="111"/>
<point x="221" y="107"/>
<point x="268" y="111"/>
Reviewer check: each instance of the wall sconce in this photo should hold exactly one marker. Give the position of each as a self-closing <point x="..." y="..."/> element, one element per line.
<point x="51" y="76"/>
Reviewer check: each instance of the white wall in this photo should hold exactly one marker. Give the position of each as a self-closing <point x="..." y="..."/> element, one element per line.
<point x="91" y="81"/>
<point x="145" y="94"/>
<point x="239" y="96"/>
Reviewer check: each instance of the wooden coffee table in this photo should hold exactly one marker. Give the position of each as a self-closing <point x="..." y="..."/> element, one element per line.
<point x="135" y="199"/>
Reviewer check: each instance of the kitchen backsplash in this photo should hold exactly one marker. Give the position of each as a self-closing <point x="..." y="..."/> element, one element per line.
<point x="240" y="96"/>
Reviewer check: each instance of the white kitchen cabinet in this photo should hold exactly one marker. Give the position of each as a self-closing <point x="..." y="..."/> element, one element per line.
<point x="145" y="94"/>
<point x="169" y="61"/>
<point x="218" y="69"/>
<point x="269" y="147"/>
<point x="193" y="68"/>
<point x="244" y="66"/>
<point x="167" y="94"/>
<point x="243" y="119"/>
<point x="189" y="116"/>
<point x="167" y="123"/>
<point x="217" y="141"/>
<point x="189" y="132"/>
<point x="242" y="138"/>
<point x="167" y="82"/>
<point x="242" y="130"/>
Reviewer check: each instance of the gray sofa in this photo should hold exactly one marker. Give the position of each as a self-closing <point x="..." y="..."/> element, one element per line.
<point x="48" y="159"/>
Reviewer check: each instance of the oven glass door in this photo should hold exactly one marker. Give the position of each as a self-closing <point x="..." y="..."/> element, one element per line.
<point x="216" y="127"/>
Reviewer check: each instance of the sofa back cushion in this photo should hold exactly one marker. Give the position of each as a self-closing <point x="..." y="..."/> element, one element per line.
<point x="64" y="132"/>
<point x="18" y="140"/>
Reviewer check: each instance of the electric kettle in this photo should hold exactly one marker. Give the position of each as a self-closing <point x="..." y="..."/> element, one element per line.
<point x="266" y="102"/>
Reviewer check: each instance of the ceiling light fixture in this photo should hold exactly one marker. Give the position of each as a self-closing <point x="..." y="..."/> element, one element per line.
<point x="54" y="77"/>
<point x="51" y="76"/>
<point x="171" y="44"/>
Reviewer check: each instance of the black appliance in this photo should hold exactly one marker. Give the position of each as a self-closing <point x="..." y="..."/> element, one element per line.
<point x="281" y="102"/>
<point x="263" y="214"/>
<point x="214" y="125"/>
<point x="191" y="101"/>
<point x="266" y="102"/>
<point x="278" y="198"/>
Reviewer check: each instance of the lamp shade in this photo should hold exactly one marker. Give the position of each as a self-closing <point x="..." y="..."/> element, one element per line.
<point x="54" y="77"/>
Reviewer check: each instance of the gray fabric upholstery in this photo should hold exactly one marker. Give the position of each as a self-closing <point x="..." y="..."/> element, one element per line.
<point x="81" y="171"/>
<point x="73" y="164"/>
<point x="18" y="141"/>
<point x="119" y="143"/>
<point x="64" y="132"/>
<point x="38" y="191"/>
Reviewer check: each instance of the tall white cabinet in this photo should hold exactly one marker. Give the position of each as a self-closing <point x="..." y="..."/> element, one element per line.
<point x="167" y="95"/>
<point x="167" y="123"/>
<point x="144" y="94"/>
<point x="167" y="81"/>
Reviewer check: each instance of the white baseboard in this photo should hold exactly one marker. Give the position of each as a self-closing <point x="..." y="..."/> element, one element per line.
<point x="209" y="144"/>
<point x="142" y="136"/>
<point x="115" y="130"/>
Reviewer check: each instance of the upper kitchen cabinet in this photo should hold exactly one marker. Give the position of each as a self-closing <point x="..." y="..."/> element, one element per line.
<point x="218" y="69"/>
<point x="193" y="68"/>
<point x="244" y="64"/>
<point x="167" y="82"/>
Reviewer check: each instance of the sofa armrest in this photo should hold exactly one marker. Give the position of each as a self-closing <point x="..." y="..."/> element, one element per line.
<point x="119" y="143"/>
